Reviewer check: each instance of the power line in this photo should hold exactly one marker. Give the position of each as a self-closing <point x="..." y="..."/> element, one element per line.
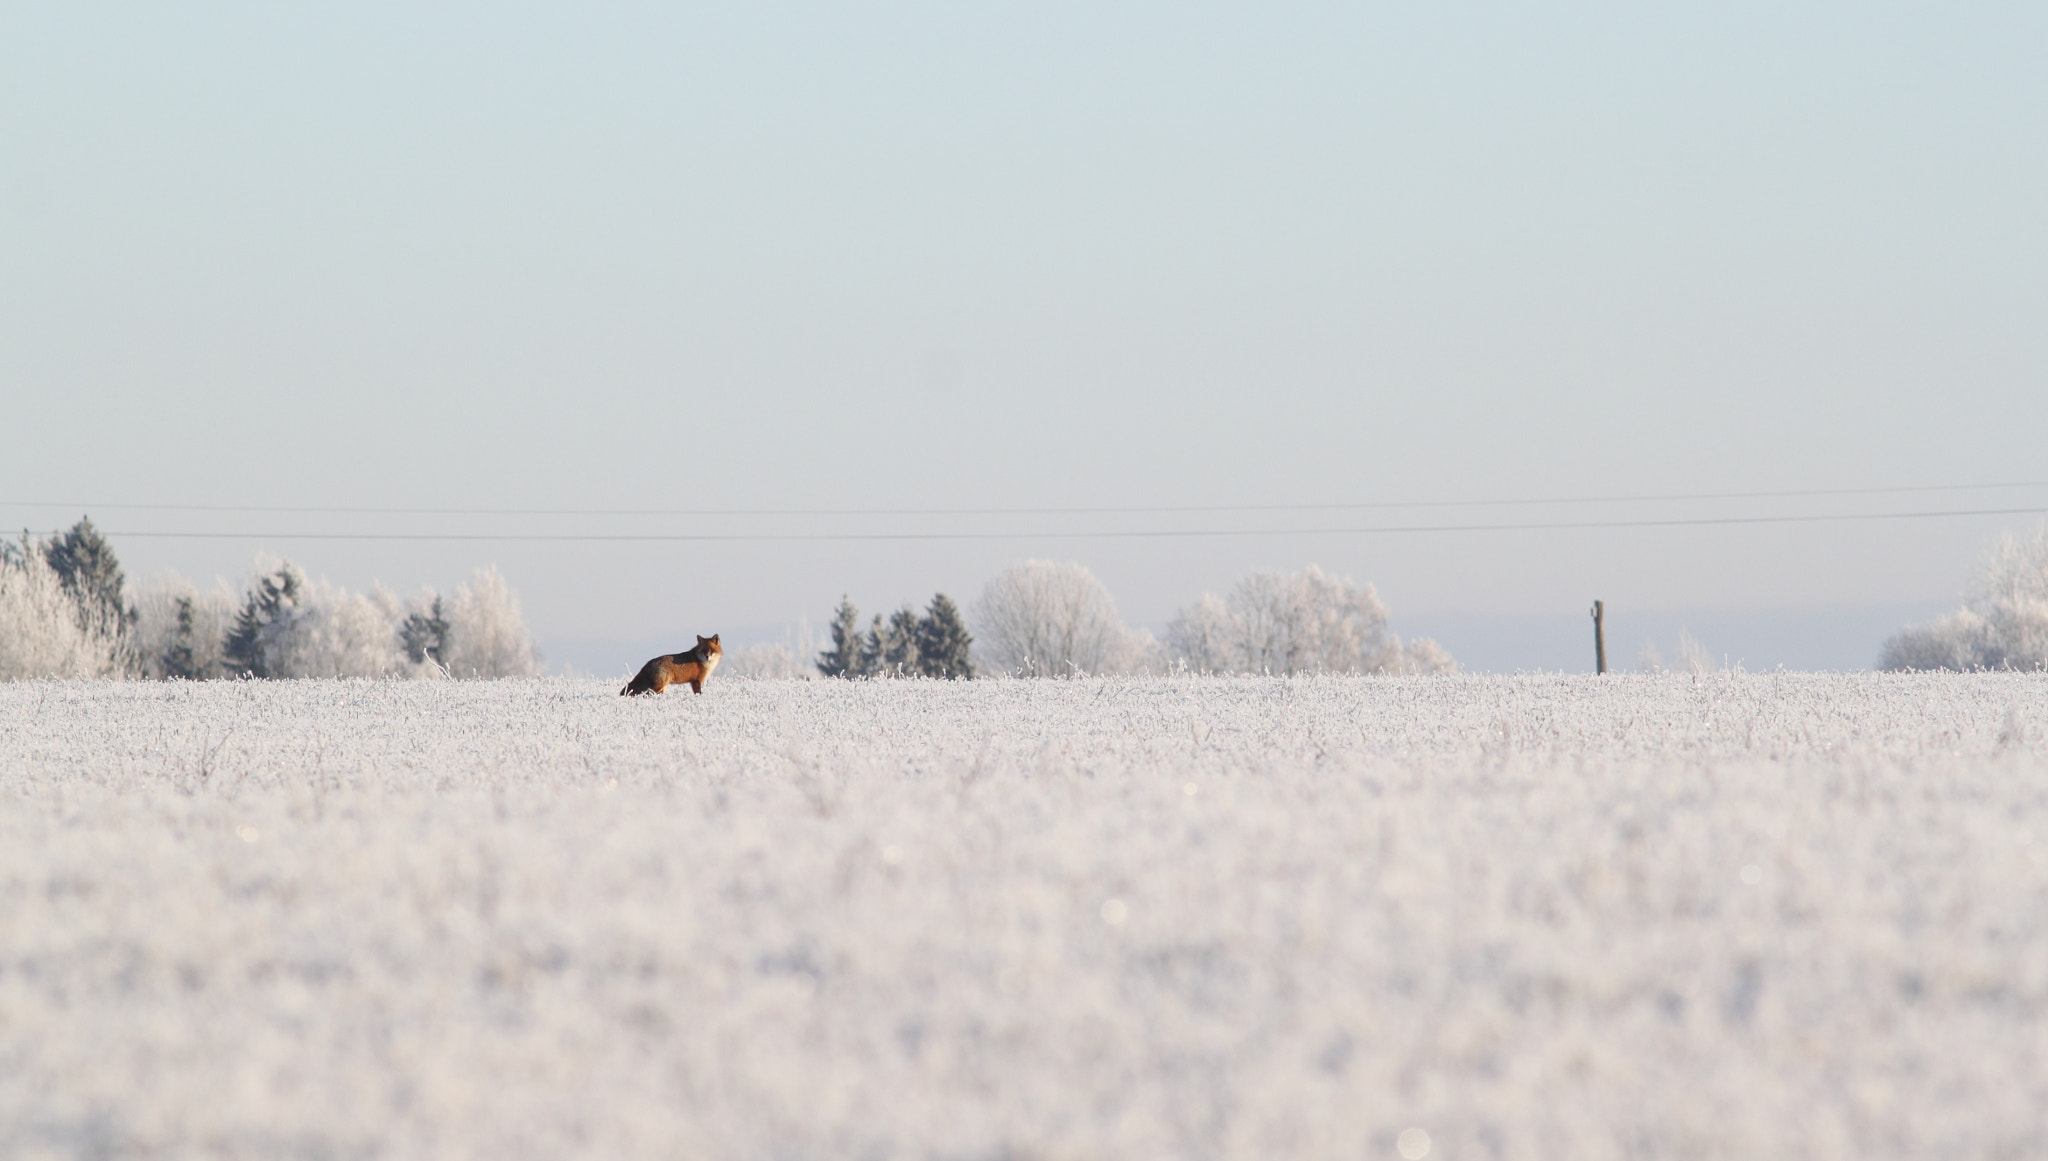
<point x="1070" y="511"/>
<point x="1141" y="534"/>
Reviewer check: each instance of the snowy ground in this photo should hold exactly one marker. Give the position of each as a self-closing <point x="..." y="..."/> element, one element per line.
<point x="1531" y="917"/>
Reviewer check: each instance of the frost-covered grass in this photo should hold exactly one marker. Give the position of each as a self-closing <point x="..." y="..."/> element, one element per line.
<point x="1735" y="916"/>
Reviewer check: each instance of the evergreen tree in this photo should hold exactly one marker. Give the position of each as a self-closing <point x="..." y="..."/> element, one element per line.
<point x="843" y="659"/>
<point x="425" y="634"/>
<point x="272" y="597"/>
<point x="180" y="659"/>
<point x="943" y="641"/>
<point x="85" y="563"/>
<point x="870" y="662"/>
<point x="898" y="644"/>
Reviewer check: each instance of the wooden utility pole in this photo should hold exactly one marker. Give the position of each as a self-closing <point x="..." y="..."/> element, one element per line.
<point x="1599" y="637"/>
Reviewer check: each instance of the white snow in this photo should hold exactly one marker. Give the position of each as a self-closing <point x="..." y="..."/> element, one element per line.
<point x="1678" y="916"/>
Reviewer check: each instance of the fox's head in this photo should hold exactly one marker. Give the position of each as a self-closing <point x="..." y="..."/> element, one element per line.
<point x="709" y="645"/>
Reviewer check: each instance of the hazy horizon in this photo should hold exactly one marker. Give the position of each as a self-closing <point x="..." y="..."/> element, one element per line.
<point x="1756" y="640"/>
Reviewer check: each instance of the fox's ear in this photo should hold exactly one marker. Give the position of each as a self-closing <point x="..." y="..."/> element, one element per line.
<point x="714" y="638"/>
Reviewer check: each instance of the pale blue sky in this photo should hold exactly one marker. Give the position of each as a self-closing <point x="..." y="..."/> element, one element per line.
<point x="1030" y="256"/>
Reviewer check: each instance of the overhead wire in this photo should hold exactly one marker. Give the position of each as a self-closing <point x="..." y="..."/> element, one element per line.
<point x="1131" y="534"/>
<point x="1104" y="510"/>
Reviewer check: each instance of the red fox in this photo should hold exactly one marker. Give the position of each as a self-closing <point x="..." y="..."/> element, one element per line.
<point x="694" y="667"/>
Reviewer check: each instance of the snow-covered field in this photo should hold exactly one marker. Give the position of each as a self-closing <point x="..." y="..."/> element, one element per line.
<point x="1736" y="916"/>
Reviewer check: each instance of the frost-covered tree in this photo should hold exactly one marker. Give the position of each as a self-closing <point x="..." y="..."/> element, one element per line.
<point x="1693" y="655"/>
<point x="271" y="599"/>
<point x="843" y="659"/>
<point x="85" y="563"/>
<point x="1041" y="619"/>
<point x="42" y="630"/>
<point x="288" y="626"/>
<point x="2003" y="623"/>
<point x="291" y="627"/>
<point x="1424" y="655"/>
<point x="486" y="635"/>
<point x="179" y="631"/>
<point x="943" y="643"/>
<point x="769" y="659"/>
<point x="1306" y="622"/>
<point x="424" y="633"/>
<point x="1203" y="637"/>
<point x="336" y="633"/>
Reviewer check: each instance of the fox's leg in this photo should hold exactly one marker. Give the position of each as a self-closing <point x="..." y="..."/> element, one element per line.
<point x="696" y="685"/>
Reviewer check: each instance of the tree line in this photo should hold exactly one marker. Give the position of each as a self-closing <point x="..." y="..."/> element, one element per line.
<point x="935" y="644"/>
<point x="1047" y="619"/>
<point x="65" y="611"/>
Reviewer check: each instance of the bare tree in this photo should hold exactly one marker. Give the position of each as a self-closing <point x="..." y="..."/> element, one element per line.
<point x="1203" y="635"/>
<point x="1041" y="619"/>
<point x="179" y="630"/>
<point x="767" y="659"/>
<point x="1307" y="622"/>
<point x="43" y="630"/>
<point x="2003" y="623"/>
<point x="486" y="634"/>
